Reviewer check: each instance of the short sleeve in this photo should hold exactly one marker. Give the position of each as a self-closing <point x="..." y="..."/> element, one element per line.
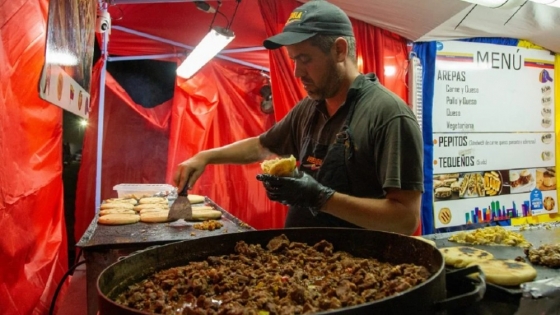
<point x="280" y="139"/>
<point x="400" y="154"/>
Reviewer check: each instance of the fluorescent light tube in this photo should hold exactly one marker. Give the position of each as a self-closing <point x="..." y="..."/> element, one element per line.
<point x="210" y="46"/>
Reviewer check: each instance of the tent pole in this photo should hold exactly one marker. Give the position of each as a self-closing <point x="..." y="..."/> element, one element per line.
<point x="241" y="50"/>
<point x="174" y="43"/>
<point x="243" y="63"/>
<point x="144" y="57"/>
<point x="153" y="37"/>
<point x="100" y="120"/>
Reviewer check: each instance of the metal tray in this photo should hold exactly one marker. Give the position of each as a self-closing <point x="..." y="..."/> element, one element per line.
<point x="148" y="234"/>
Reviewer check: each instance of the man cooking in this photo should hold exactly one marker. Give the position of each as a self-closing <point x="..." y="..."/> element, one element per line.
<point x="358" y="145"/>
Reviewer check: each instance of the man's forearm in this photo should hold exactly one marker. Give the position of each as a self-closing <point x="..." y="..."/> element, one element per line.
<point x="376" y="214"/>
<point x="240" y="152"/>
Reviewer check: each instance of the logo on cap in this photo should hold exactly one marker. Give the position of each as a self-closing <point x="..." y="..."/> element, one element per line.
<point x="294" y="16"/>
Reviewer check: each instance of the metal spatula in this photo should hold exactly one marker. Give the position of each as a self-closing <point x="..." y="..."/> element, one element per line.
<point x="181" y="207"/>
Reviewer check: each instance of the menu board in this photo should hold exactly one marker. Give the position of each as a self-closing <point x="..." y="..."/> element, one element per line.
<point x="493" y="133"/>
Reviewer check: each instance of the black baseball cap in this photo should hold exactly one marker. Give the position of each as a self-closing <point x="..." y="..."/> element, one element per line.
<point x="312" y="18"/>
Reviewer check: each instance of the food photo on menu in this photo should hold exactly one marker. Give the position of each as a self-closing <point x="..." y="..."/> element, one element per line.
<point x="546" y="178"/>
<point x="467" y="185"/>
<point x="492" y="183"/>
<point x="446" y="186"/>
<point x="521" y="180"/>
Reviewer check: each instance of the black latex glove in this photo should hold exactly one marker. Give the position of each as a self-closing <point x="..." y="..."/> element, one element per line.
<point x="303" y="191"/>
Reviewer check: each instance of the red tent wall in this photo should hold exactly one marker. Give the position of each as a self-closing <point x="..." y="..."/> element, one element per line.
<point x="33" y="248"/>
<point x="218" y="106"/>
<point x="135" y="143"/>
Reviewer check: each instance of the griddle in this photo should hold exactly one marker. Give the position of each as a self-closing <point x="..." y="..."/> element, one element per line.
<point x="148" y="234"/>
<point x="537" y="235"/>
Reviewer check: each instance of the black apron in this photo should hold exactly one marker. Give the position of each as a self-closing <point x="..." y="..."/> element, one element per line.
<point x="332" y="172"/>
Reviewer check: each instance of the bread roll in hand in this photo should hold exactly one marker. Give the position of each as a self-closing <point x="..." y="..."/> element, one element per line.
<point x="281" y="167"/>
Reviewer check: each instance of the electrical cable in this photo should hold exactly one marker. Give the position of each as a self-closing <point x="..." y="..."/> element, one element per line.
<point x="59" y="286"/>
<point x="77" y="258"/>
<point x="225" y="17"/>
<point x="216" y="13"/>
<point x="233" y="16"/>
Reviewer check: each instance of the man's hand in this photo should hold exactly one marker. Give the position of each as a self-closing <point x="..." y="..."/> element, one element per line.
<point x="302" y="191"/>
<point x="189" y="171"/>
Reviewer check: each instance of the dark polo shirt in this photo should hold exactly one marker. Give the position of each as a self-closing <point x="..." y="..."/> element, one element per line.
<point x="387" y="138"/>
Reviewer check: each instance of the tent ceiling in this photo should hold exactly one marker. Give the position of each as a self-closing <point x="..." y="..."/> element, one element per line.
<point x="415" y="20"/>
<point x="409" y="18"/>
<point x="182" y="23"/>
<point x="437" y="20"/>
<point x="537" y="23"/>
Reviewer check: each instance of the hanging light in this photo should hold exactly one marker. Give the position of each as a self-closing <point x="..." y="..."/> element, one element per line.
<point x="216" y="39"/>
<point x="210" y="46"/>
<point x="495" y="4"/>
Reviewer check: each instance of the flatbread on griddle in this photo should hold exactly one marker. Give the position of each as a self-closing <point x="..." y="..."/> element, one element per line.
<point x="506" y="272"/>
<point x="207" y="213"/>
<point x="116" y="205"/>
<point x="118" y="219"/>
<point x="112" y="211"/>
<point x="154" y="217"/>
<point x="152" y="200"/>
<point x="121" y="200"/>
<point x="462" y="256"/>
<point x="148" y="210"/>
<point x="151" y="206"/>
<point x="196" y="199"/>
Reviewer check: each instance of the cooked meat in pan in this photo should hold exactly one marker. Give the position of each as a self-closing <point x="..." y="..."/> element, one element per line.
<point x="285" y="278"/>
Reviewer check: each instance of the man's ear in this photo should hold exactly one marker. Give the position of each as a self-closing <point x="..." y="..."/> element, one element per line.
<point x="341" y="49"/>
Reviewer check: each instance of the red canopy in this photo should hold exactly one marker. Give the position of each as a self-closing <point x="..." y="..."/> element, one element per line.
<point x="147" y="29"/>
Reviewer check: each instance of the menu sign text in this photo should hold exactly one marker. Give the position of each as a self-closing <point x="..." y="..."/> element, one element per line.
<point x="493" y="133"/>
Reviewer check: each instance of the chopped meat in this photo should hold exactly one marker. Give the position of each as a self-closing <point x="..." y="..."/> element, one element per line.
<point x="278" y="243"/>
<point x="209" y="225"/>
<point x="285" y="278"/>
<point x="546" y="255"/>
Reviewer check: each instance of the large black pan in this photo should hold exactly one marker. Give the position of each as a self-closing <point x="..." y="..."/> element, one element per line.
<point x="427" y="298"/>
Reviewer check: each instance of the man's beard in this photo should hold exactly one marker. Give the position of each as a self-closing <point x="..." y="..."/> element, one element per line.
<point x="329" y="85"/>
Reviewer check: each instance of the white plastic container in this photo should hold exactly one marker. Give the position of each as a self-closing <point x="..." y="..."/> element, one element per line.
<point x="142" y="190"/>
